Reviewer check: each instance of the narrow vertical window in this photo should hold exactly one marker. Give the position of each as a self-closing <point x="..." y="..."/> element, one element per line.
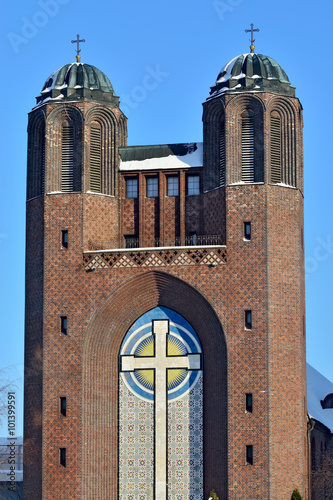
<point x="222" y="154"/>
<point x="67" y="159"/>
<point x="64" y="238"/>
<point x="275" y="148"/>
<point x="95" y="158"/>
<point x="63" y="406"/>
<point x="63" y="323"/>
<point x="247" y="231"/>
<point x="131" y="188"/>
<point x="63" y="456"/>
<point x="248" y="319"/>
<point x="248" y="402"/>
<point x="247" y="147"/>
<point x="152" y="187"/>
<point x="193" y="185"/>
<point x="173" y="185"/>
<point x="249" y="454"/>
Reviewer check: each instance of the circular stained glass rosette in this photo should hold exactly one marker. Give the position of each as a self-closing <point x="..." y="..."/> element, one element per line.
<point x="180" y="342"/>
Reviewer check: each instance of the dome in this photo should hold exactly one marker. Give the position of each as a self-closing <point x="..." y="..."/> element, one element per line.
<point x="252" y="72"/>
<point x="77" y="81"/>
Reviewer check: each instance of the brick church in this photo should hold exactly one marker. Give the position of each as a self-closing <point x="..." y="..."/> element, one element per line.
<point x="165" y="330"/>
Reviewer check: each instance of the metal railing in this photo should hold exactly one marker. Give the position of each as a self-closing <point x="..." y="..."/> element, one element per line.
<point x="189" y="241"/>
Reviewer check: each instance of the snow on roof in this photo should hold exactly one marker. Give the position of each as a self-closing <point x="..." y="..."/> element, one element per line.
<point x="193" y="158"/>
<point x="318" y="388"/>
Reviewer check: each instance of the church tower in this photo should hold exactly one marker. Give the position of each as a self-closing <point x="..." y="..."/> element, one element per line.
<point x="165" y="334"/>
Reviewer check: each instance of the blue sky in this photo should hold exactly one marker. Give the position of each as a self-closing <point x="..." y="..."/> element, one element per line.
<point x="184" y="44"/>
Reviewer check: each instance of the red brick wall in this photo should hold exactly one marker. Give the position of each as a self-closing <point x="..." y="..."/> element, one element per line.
<point x="33" y="369"/>
<point x="264" y="274"/>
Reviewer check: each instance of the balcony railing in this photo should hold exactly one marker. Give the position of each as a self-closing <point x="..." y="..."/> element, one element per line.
<point x="189" y="241"/>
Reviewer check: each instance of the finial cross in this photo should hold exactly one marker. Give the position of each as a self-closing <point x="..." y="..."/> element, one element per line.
<point x="78" y="41"/>
<point x="252" y="30"/>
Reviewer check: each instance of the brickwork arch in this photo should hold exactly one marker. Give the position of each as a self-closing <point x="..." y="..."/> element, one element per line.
<point x="36" y="154"/>
<point x="60" y="116"/>
<point x="122" y="131"/>
<point x="109" y="146"/>
<point x="102" y="342"/>
<point x="291" y="171"/>
<point x="214" y="144"/>
<point x="236" y="109"/>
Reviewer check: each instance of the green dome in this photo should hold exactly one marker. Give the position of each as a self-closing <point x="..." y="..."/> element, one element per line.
<point x="77" y="81"/>
<point x="252" y="72"/>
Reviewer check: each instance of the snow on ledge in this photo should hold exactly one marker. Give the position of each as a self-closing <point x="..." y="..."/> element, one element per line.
<point x="194" y="159"/>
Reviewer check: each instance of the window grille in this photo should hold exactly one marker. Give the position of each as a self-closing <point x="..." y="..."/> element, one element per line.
<point x="222" y="155"/>
<point x="95" y="159"/>
<point x="152" y="187"/>
<point x="67" y="159"/>
<point x="173" y="185"/>
<point x="247" y="149"/>
<point x="275" y="149"/>
<point x="131" y="188"/>
<point x="193" y="185"/>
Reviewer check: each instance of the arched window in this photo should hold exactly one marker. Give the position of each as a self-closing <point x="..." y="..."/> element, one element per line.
<point x="161" y="408"/>
<point x="247" y="146"/>
<point x="67" y="158"/>
<point x="36" y="156"/>
<point x="275" y="147"/>
<point x="95" y="157"/>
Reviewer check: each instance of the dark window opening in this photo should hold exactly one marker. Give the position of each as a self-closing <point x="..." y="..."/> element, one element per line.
<point x="248" y="320"/>
<point x="63" y="457"/>
<point x="64" y="238"/>
<point x="63" y="321"/>
<point x="63" y="406"/>
<point x="247" y="231"/>
<point x="131" y="188"/>
<point x="131" y="241"/>
<point x="249" y="454"/>
<point x="249" y="401"/>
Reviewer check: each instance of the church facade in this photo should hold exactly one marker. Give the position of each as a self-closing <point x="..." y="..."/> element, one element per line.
<point x="165" y="321"/>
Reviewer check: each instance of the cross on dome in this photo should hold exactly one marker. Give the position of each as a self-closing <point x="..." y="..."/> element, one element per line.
<point x="78" y="50"/>
<point x="252" y="30"/>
